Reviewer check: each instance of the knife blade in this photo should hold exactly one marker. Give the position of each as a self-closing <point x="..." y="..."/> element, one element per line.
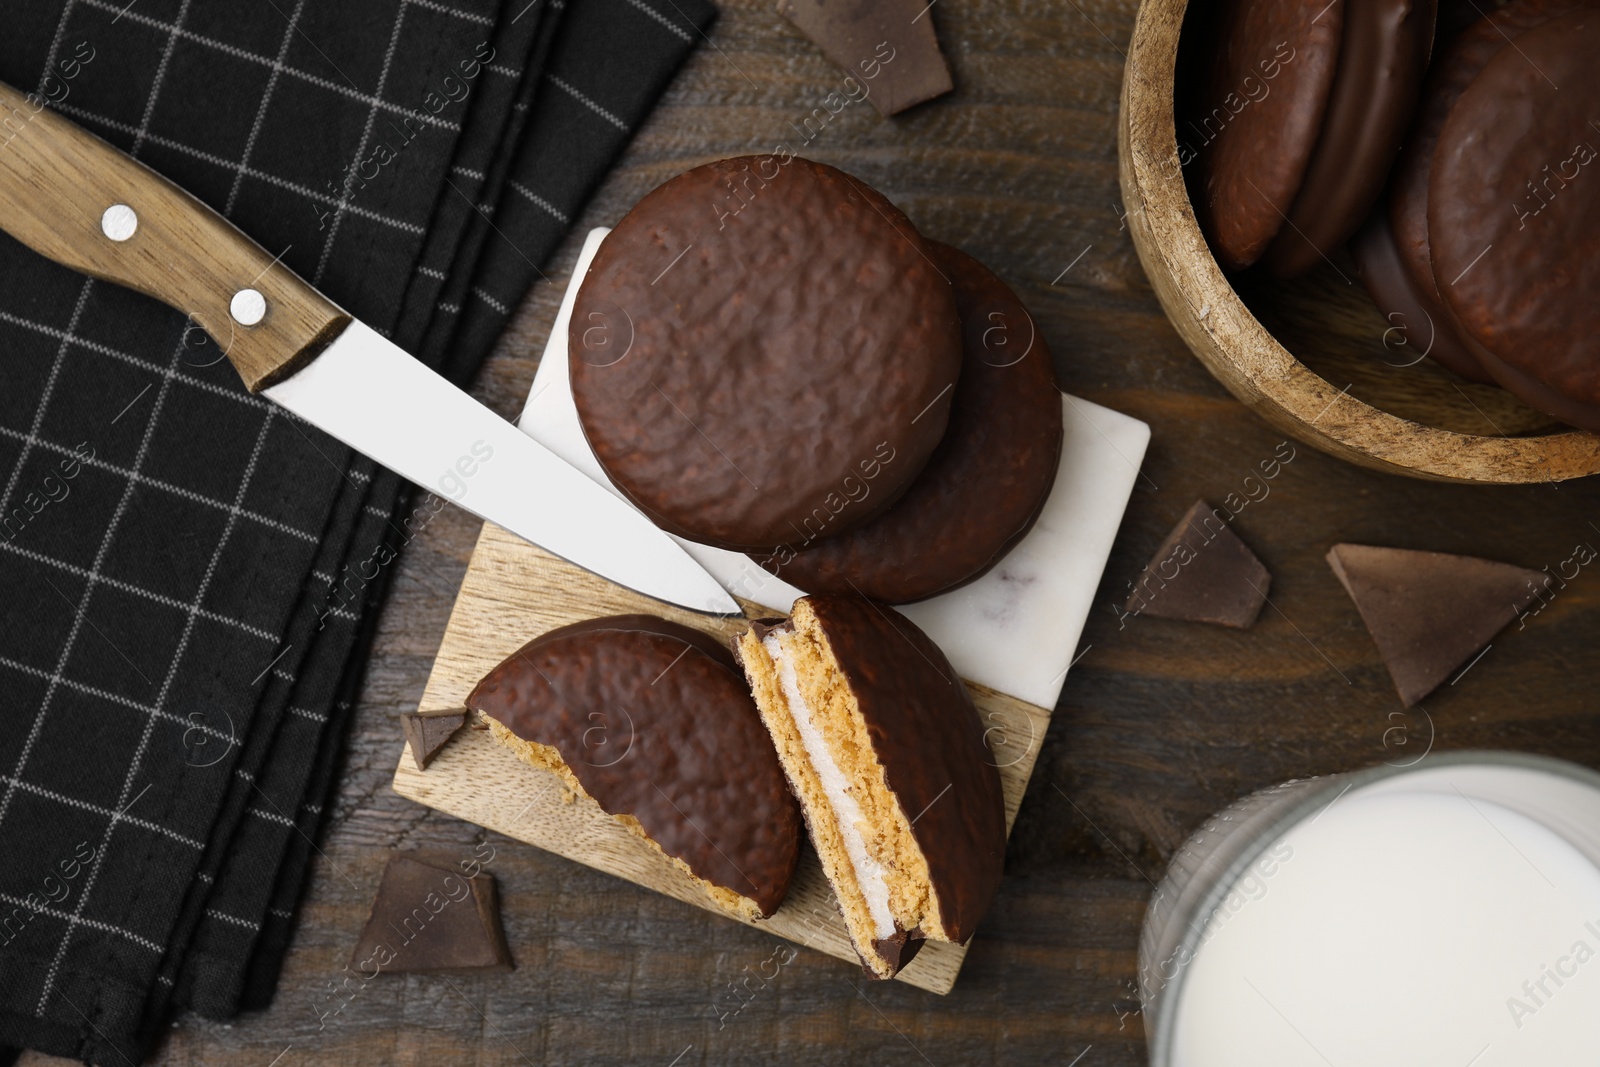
<point x="77" y="200"/>
<point x="417" y="424"/>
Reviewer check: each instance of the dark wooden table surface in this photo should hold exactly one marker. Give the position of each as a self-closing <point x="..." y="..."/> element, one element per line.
<point x="1160" y="723"/>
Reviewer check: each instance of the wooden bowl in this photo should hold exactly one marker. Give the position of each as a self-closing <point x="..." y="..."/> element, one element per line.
<point x="1345" y="388"/>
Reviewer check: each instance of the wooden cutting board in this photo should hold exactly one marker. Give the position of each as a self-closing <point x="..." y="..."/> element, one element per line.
<point x="514" y="591"/>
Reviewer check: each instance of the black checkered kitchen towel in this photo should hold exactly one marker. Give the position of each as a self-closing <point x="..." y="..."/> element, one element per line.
<point x="189" y="575"/>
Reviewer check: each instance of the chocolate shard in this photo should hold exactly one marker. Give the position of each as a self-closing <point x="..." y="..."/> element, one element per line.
<point x="1429" y="612"/>
<point x="432" y="918"/>
<point x="887" y="46"/>
<point x="427" y="731"/>
<point x="1202" y="573"/>
<point x="897" y="950"/>
<point x="762" y="627"/>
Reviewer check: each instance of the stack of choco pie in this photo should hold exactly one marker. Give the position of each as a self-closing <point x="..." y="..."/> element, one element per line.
<point x="766" y="356"/>
<point x="1481" y="240"/>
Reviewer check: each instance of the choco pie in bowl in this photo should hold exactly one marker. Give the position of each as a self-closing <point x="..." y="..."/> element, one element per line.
<point x="1299" y="111"/>
<point x="1514" y="217"/>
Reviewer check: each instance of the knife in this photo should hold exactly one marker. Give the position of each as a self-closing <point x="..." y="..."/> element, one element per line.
<point x="76" y="200"/>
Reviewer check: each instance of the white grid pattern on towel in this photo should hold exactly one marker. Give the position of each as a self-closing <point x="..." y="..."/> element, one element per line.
<point x="114" y="698"/>
<point x="100" y="809"/>
<point x="259" y="175"/>
<point x="157" y="406"/>
<point x="93" y="924"/>
<point x="133" y="477"/>
<point x="137" y="590"/>
<point x="241" y="53"/>
<point x="366" y="139"/>
<point x="587" y="101"/>
<point x="32" y="435"/>
<point x="166" y="685"/>
<point x="537" y="200"/>
<point x="659" y="17"/>
<point x="270" y="816"/>
<point x="67" y="336"/>
<point x="470" y="16"/>
<point x="243" y="166"/>
<point x="234" y="919"/>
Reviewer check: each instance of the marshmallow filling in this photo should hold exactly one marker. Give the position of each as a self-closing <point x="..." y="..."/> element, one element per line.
<point x="862" y="835"/>
<point x="847" y="814"/>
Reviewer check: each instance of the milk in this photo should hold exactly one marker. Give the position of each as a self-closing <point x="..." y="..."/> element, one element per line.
<point x="1401" y="928"/>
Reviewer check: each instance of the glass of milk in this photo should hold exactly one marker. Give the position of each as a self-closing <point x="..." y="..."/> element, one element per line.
<point x="1446" y="913"/>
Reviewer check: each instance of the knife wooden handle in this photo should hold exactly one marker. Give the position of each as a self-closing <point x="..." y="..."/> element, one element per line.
<point x="73" y="198"/>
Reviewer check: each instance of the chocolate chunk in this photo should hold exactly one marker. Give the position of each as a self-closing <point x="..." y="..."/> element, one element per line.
<point x="432" y="918"/>
<point x="1381" y="62"/>
<point x="763" y="350"/>
<point x="984" y="486"/>
<point x="1253" y="118"/>
<point x="1202" y="573"/>
<point x="888" y="46"/>
<point x="427" y="731"/>
<point x="654" y="722"/>
<point x="1429" y="612"/>
<point x="1514" y="217"/>
<point x="761" y="628"/>
<point x="897" y="950"/>
<point x="880" y="740"/>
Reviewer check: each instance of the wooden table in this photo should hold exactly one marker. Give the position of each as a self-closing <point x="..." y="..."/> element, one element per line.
<point x="1160" y="723"/>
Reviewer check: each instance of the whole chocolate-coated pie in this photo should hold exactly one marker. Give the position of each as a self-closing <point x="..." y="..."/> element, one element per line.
<point x="1253" y="118"/>
<point x="1418" y="326"/>
<point x="1454" y="67"/>
<point x="1381" y="62"/>
<point x="987" y="481"/>
<point x="1514" y="217"/>
<point x="763" y="352"/>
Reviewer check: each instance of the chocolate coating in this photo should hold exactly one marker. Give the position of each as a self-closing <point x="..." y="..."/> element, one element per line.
<point x="926" y="733"/>
<point x="1457" y="64"/>
<point x="984" y="486"/>
<point x="1259" y="108"/>
<point x="1514" y="214"/>
<point x="1535" y="393"/>
<point x="1419" y="326"/>
<point x="656" y="722"/>
<point x="1381" y="63"/>
<point x="756" y="340"/>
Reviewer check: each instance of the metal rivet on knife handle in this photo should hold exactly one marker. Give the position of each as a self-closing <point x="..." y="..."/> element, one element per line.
<point x="119" y="222"/>
<point x="248" y="307"/>
<point x="56" y="180"/>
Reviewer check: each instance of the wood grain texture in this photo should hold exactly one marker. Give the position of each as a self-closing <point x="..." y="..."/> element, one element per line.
<point x="56" y="182"/>
<point x="1412" y="420"/>
<point x="512" y="593"/>
<point x="1160" y="723"/>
